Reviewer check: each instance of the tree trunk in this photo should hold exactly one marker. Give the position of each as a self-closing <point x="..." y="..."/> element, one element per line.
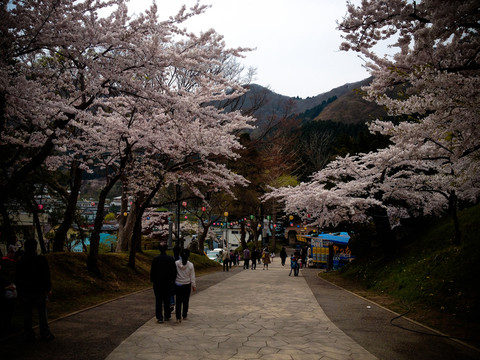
<point x="255" y="233"/>
<point x="136" y="239"/>
<point x="243" y="235"/>
<point x="38" y="228"/>
<point x="92" y="259"/>
<point x="203" y="236"/>
<point x="125" y="223"/>
<point x="125" y="232"/>
<point x="82" y="235"/>
<point x="61" y="233"/>
<point x="140" y="205"/>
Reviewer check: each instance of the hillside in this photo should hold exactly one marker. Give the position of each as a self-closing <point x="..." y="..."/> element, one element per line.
<point x="351" y="108"/>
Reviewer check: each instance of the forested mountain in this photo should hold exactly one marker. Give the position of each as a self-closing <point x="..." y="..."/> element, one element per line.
<point x="343" y="104"/>
<point x="351" y="108"/>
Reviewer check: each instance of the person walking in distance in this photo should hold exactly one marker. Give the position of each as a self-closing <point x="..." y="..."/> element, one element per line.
<point x="34" y="286"/>
<point x="254" y="255"/>
<point x="225" y="259"/>
<point x="163" y="274"/>
<point x="266" y="258"/>
<point x="283" y="255"/>
<point x="246" y="258"/>
<point x="293" y="265"/>
<point x="304" y="256"/>
<point x="184" y="284"/>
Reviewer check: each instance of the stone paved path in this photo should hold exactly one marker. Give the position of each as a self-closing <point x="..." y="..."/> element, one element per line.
<point x="255" y="314"/>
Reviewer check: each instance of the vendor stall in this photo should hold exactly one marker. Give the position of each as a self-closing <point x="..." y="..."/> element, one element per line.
<point x="329" y="250"/>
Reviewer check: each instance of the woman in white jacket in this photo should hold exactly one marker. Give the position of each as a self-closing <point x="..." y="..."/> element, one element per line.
<point x="184" y="283"/>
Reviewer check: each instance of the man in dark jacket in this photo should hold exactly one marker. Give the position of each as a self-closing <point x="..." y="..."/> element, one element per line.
<point x="34" y="286"/>
<point x="254" y="256"/>
<point x="162" y="275"/>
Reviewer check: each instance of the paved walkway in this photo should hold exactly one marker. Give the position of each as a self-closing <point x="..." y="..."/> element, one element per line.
<point x="260" y="314"/>
<point x="243" y="314"/>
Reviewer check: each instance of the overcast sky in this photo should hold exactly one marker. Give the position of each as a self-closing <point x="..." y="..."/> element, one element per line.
<point x="296" y="41"/>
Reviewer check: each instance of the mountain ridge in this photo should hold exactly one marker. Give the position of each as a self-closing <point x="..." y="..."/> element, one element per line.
<point x="342" y="104"/>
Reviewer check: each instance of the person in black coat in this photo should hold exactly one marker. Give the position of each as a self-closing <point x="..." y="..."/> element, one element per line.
<point x="254" y="256"/>
<point x="283" y="255"/>
<point x="34" y="287"/>
<point x="162" y="275"/>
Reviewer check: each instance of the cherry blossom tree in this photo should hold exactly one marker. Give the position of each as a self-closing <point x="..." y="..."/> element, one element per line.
<point x="182" y="136"/>
<point x="204" y="135"/>
<point x="437" y="70"/>
<point x="55" y="72"/>
<point x="433" y="79"/>
<point x="128" y="96"/>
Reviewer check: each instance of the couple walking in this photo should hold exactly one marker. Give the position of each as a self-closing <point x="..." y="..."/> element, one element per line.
<point x="172" y="277"/>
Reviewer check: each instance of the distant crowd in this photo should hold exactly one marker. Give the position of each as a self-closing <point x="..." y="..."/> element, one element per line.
<point x="263" y="256"/>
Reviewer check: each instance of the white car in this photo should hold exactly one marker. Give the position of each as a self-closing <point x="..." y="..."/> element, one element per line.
<point x="214" y="255"/>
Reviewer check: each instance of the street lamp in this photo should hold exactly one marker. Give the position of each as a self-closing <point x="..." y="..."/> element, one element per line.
<point x="226" y="229"/>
